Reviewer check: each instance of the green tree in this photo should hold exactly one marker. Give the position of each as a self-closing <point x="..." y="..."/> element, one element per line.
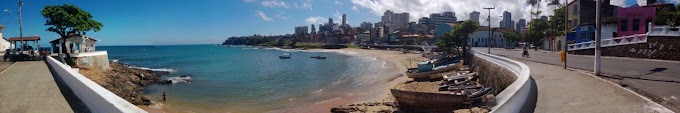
<point x="458" y="37"/>
<point x="67" y="20"/>
<point x="512" y="36"/>
<point x="540" y="27"/>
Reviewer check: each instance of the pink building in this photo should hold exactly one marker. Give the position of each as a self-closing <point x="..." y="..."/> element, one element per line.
<point x="634" y="20"/>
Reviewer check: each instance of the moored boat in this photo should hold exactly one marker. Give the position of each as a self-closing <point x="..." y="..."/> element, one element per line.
<point x="285" y="56"/>
<point x="318" y="57"/>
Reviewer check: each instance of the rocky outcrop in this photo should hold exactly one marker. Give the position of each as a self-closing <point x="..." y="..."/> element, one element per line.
<point x="664" y="48"/>
<point x="124" y="81"/>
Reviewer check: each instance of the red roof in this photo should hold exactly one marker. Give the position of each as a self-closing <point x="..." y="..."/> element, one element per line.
<point x="27" y="38"/>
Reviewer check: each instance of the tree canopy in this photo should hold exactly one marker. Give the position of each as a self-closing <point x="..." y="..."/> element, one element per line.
<point x="68" y="19"/>
<point x="540" y="28"/>
<point x="458" y="36"/>
<point x="512" y="36"/>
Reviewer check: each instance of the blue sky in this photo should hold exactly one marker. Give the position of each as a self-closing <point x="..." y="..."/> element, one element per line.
<point x="169" y="22"/>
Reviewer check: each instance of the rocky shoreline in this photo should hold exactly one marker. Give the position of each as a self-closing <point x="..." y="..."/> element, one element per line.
<point x="125" y="81"/>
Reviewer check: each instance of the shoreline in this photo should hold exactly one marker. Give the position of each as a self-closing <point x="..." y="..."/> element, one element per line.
<point x="376" y="92"/>
<point x="125" y="81"/>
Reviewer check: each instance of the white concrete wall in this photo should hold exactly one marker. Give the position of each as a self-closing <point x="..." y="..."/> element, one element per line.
<point x="515" y="96"/>
<point x="95" y="97"/>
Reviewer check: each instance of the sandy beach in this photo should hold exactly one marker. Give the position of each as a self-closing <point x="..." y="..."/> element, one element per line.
<point x="378" y="92"/>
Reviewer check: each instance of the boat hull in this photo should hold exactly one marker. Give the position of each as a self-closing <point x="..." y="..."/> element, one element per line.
<point x="433" y="74"/>
<point x="428" y="102"/>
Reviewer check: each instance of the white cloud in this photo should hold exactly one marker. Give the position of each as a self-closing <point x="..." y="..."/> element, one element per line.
<point x="315" y="20"/>
<point x="274" y="3"/>
<point x="250" y="1"/>
<point x="354" y="7"/>
<point x="338" y="2"/>
<point x="307" y="4"/>
<point x="423" y="8"/>
<point x="263" y="16"/>
<point x="281" y="15"/>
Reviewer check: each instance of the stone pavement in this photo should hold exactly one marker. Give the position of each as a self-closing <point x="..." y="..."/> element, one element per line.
<point x="30" y="87"/>
<point x="656" y="79"/>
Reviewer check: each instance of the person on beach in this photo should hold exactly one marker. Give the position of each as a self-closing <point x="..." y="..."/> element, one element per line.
<point x="163" y="95"/>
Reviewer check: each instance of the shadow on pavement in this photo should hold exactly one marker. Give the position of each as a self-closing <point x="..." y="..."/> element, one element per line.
<point x="76" y="104"/>
<point x="530" y="105"/>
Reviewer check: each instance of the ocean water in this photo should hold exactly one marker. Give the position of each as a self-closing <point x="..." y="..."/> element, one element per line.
<point x="246" y="79"/>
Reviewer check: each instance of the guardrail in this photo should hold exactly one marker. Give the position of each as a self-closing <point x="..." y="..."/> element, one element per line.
<point x="513" y="98"/>
<point x="665" y="31"/>
<point x="624" y="40"/>
<point x="95" y="97"/>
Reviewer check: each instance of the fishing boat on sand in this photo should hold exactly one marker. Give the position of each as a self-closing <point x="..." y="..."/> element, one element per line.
<point x="285" y="56"/>
<point x="430" y="69"/>
<point x="454" y="91"/>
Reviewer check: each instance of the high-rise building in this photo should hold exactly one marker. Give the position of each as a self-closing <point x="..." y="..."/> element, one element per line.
<point x="344" y="19"/>
<point x="544" y="18"/>
<point x="474" y="16"/>
<point x="313" y="30"/>
<point x="330" y="21"/>
<point x="301" y="30"/>
<point x="395" y="21"/>
<point x="512" y="25"/>
<point x="521" y="24"/>
<point x="366" y="26"/>
<point x="507" y="20"/>
<point x="437" y="19"/>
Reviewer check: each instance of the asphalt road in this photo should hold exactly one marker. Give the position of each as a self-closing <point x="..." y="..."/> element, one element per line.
<point x="657" y="79"/>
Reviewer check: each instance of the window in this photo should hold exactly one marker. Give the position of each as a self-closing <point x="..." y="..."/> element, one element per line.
<point x="624" y="25"/>
<point x="647" y="21"/>
<point x="575" y="10"/>
<point x="636" y="24"/>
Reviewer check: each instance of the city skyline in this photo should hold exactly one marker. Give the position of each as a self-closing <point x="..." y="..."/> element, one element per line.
<point x="209" y="22"/>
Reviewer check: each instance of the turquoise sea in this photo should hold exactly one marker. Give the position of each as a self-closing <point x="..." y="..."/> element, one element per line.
<point x="249" y="79"/>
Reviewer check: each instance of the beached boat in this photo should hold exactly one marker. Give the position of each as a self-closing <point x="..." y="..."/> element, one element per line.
<point x="285" y="56"/>
<point x="430" y="70"/>
<point x="428" y="101"/>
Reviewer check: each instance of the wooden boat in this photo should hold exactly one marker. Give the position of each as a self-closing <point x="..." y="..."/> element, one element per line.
<point x="429" y="102"/>
<point x="285" y="56"/>
<point x="318" y="57"/>
<point x="433" y="74"/>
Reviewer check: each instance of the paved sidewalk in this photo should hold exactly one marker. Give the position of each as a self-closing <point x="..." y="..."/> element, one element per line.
<point x="565" y="91"/>
<point x="30" y="87"/>
<point x="656" y="79"/>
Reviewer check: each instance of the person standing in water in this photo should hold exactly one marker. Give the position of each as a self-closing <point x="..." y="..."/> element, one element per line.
<point x="163" y="95"/>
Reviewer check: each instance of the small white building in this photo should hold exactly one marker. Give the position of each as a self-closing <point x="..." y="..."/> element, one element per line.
<point x="480" y="38"/>
<point x="82" y="50"/>
<point x="4" y="43"/>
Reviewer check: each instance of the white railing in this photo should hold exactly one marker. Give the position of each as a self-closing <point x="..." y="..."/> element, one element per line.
<point x="624" y="40"/>
<point x="665" y="31"/>
<point x="515" y="96"/>
<point x="95" y="97"/>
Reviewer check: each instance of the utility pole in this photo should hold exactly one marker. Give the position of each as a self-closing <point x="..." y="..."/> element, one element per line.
<point x="488" y="41"/>
<point x="21" y="29"/>
<point x="566" y="31"/>
<point x="598" y="38"/>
